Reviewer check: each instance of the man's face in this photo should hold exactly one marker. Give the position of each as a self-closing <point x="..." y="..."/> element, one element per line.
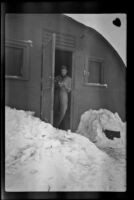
<point x="63" y="72"/>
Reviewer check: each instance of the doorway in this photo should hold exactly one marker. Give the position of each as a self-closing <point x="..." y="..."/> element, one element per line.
<point x="63" y="57"/>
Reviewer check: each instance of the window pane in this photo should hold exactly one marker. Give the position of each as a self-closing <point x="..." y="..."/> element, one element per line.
<point x="13" y="61"/>
<point x="94" y="72"/>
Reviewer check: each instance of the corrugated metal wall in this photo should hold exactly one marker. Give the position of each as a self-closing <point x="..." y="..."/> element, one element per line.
<point x="26" y="94"/>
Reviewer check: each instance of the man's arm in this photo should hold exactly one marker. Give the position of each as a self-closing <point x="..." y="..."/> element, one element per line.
<point x="68" y="84"/>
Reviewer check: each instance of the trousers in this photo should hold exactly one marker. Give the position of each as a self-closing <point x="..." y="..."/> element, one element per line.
<point x="61" y="105"/>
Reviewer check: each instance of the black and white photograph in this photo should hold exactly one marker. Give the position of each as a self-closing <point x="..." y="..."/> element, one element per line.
<point x="65" y="102"/>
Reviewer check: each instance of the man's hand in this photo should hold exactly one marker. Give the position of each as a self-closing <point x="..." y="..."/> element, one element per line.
<point x="61" y="84"/>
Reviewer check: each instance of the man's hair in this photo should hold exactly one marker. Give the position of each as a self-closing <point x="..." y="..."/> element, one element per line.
<point x="63" y="67"/>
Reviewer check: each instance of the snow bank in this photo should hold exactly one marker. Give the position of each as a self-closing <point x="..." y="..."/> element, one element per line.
<point x="42" y="158"/>
<point x="94" y="122"/>
<point x="22" y="129"/>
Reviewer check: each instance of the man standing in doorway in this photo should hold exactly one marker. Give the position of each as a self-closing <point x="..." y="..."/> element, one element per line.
<point x="63" y="88"/>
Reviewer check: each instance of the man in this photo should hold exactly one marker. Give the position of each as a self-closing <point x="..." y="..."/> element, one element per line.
<point x="62" y="90"/>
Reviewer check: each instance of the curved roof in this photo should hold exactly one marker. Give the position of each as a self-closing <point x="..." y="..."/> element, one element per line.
<point x="99" y="34"/>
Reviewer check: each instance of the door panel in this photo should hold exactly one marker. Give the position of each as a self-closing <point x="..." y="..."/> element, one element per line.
<point x="84" y="97"/>
<point x="48" y="80"/>
<point x="77" y="81"/>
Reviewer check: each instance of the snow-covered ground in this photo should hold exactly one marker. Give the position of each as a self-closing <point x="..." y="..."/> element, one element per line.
<point x="40" y="157"/>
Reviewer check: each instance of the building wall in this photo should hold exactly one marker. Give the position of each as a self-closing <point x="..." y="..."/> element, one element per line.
<point x="29" y="27"/>
<point x="112" y="97"/>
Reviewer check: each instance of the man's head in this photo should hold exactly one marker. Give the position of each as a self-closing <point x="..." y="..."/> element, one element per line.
<point x="63" y="70"/>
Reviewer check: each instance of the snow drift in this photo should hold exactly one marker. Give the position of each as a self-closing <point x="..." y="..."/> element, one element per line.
<point x="42" y="158"/>
<point x="93" y="123"/>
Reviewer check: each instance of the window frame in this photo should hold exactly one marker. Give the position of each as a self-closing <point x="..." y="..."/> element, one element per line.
<point x="25" y="68"/>
<point x="86" y="72"/>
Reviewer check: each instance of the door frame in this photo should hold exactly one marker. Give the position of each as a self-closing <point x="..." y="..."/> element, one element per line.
<point x="65" y="47"/>
<point x="72" y="70"/>
<point x="52" y="38"/>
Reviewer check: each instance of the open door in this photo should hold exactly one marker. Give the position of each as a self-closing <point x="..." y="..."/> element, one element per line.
<point x="47" y="86"/>
<point x="77" y="93"/>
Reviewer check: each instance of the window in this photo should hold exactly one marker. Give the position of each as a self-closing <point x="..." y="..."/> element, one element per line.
<point x="17" y="59"/>
<point x="14" y="61"/>
<point x="94" y="72"/>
